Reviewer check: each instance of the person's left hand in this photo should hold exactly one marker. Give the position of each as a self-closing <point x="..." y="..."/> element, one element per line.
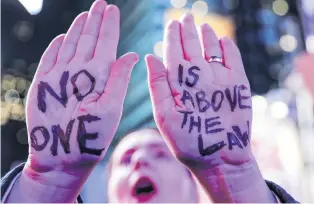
<point x="202" y="108"/>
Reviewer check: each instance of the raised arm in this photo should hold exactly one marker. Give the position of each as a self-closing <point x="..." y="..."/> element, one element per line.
<point x="74" y="107"/>
<point x="202" y="106"/>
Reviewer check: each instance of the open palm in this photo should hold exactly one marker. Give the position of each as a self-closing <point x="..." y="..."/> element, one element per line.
<point x="203" y="109"/>
<point x="75" y="101"/>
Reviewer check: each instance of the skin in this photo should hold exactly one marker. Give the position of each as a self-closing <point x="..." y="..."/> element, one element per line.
<point x="144" y="153"/>
<point x="90" y="45"/>
<point x="230" y="174"/>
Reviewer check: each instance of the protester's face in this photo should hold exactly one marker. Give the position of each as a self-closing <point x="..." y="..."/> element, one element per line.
<point x="144" y="170"/>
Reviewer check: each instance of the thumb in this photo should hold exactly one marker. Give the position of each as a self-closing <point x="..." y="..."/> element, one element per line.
<point x="118" y="81"/>
<point x="159" y="88"/>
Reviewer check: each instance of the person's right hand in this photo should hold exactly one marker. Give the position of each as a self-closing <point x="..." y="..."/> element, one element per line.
<point x="75" y="101"/>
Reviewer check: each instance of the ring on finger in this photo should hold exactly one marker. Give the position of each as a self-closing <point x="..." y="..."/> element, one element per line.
<point x="215" y="59"/>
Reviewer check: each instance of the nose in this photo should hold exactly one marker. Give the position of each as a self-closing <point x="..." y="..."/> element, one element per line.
<point x="141" y="159"/>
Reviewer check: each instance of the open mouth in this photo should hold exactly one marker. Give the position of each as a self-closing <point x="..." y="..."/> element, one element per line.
<point x="144" y="189"/>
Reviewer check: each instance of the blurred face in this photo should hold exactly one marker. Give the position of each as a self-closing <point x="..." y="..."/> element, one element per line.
<point x="144" y="170"/>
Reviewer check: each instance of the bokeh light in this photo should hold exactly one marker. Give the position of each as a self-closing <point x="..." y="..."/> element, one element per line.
<point x="12" y="96"/>
<point x="308" y="8"/>
<point x="200" y="8"/>
<point x="20" y="84"/>
<point x="8" y="82"/>
<point x="17" y="112"/>
<point x="178" y="3"/>
<point x="5" y="112"/>
<point x="288" y="43"/>
<point x="310" y="43"/>
<point x="266" y="17"/>
<point x="279" y="110"/>
<point x="259" y="104"/>
<point x="158" y="47"/>
<point x="280" y="7"/>
<point x="32" y="6"/>
<point x="21" y="136"/>
<point x="23" y="30"/>
<point x="19" y="64"/>
<point x="287" y="141"/>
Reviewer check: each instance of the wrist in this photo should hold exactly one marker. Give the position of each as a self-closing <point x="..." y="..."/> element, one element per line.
<point x="48" y="186"/>
<point x="52" y="178"/>
<point x="230" y="183"/>
<point x="60" y="176"/>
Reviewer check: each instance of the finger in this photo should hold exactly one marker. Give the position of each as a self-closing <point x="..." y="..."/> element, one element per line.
<point x="231" y="54"/>
<point x="71" y="39"/>
<point x="107" y="43"/>
<point x="117" y="84"/>
<point x="210" y="42"/>
<point x="49" y="58"/>
<point x="88" y="38"/>
<point x="158" y="83"/>
<point x="191" y="44"/>
<point x="172" y="47"/>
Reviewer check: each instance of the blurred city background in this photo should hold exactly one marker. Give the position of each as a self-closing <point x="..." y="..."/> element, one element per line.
<point x="275" y="37"/>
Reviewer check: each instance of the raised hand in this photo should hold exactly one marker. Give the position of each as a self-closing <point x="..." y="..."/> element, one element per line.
<point x="75" y="101"/>
<point x="202" y="108"/>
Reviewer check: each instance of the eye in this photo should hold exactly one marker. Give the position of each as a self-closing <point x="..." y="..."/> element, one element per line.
<point x="126" y="159"/>
<point x="161" y="154"/>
